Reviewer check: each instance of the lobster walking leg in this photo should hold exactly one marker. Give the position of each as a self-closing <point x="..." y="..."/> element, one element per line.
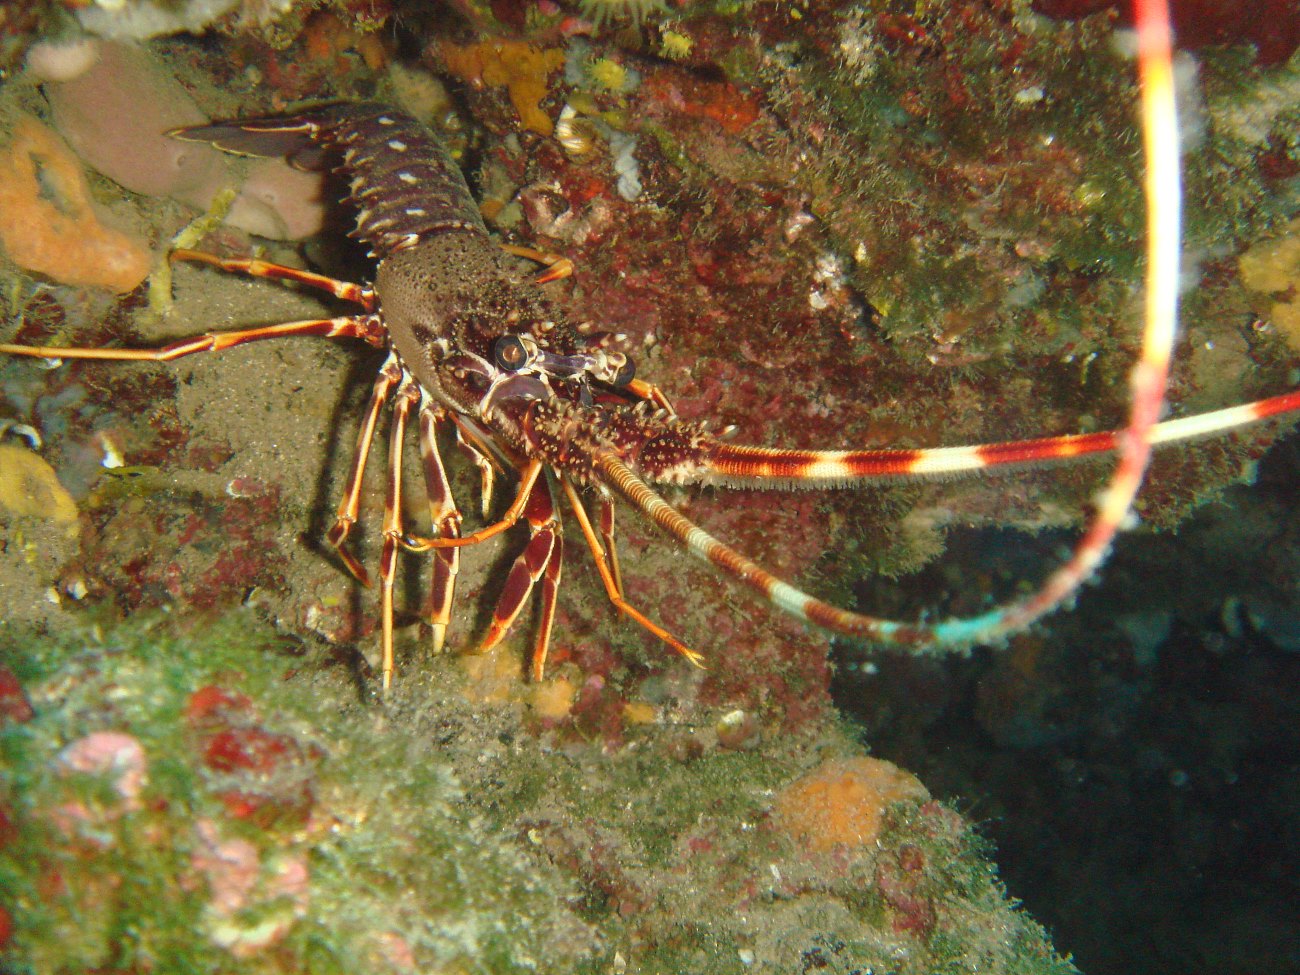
<point x="539" y="561"/>
<point x="360" y="294"/>
<point x="345" y="327"/>
<point x="408" y="394"/>
<point x="527" y="479"/>
<point x="558" y="267"/>
<point x="611" y="585"/>
<point x="445" y="518"/>
<point x="473" y="446"/>
<point x="607" y="536"/>
<point x="390" y="374"/>
<point x="550" y="593"/>
<point x="651" y="394"/>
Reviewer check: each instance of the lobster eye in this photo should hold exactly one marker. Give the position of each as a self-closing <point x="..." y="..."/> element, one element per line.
<point x="626" y="373"/>
<point x="510" y="353"/>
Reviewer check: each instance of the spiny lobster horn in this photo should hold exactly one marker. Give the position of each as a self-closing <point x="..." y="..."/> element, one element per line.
<point x="738" y="465"/>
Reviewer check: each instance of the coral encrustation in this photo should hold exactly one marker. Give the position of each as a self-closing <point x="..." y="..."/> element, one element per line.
<point x="49" y="223"/>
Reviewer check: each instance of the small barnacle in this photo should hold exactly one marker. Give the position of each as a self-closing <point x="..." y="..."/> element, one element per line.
<point x="611" y="76"/>
<point x="675" y="46"/>
<point x="577" y="135"/>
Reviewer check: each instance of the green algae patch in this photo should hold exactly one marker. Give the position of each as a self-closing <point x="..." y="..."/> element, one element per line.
<point x="1272" y="268"/>
<point x="175" y="804"/>
<point x="192" y="798"/>
<point x="685" y="868"/>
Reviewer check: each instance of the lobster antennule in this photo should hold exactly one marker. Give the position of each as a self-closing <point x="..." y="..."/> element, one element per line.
<point x="738" y="465"/>
<point x="915" y="637"/>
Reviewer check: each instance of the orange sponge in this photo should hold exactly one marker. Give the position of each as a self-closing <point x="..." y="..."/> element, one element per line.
<point x="49" y="223"/>
<point x="521" y="67"/>
<point x="843" y="802"/>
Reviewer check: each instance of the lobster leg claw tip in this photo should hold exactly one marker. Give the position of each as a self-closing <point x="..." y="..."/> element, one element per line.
<point x="357" y="570"/>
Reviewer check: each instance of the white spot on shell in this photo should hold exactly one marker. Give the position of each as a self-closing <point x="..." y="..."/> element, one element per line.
<point x="384" y="120"/>
<point x="397" y="145"/>
<point x="112" y="456"/>
<point x="407" y="177"/>
<point x="415" y="212"/>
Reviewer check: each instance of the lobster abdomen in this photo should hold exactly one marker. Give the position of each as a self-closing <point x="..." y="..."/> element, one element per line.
<point x="403" y="181"/>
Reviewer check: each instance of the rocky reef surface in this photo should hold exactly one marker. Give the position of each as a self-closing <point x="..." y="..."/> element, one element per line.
<point x="864" y="224"/>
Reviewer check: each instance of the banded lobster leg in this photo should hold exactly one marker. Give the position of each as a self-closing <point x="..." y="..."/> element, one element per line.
<point x="444" y="515"/>
<point x="445" y="518"/>
<point x="473" y="443"/>
<point x="390" y="374"/>
<point x="366" y="327"/>
<point x="527" y="505"/>
<point x="607" y="566"/>
<point x="361" y="294"/>
<point x="607" y="536"/>
<point x="407" y="395"/>
<point x="541" y="561"/>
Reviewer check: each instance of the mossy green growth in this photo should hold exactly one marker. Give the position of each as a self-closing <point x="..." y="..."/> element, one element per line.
<point x="252" y="819"/>
<point x="1252" y="127"/>
<point x="946" y="168"/>
<point x="165" y="874"/>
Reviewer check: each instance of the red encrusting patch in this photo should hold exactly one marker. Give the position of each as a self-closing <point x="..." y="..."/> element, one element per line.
<point x="14" y="705"/>
<point x="1270" y="25"/>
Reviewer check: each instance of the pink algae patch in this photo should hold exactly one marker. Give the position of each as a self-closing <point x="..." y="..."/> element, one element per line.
<point x="842" y="802"/>
<point x="49" y="223"/>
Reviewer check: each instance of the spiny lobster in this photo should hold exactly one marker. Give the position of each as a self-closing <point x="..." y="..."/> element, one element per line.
<point x="474" y="347"/>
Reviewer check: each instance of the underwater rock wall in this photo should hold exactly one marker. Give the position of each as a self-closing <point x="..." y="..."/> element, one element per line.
<point x="823" y="224"/>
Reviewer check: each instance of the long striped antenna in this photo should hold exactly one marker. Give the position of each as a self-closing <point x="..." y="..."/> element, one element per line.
<point x="1163" y="188"/>
<point x="738" y="465"/>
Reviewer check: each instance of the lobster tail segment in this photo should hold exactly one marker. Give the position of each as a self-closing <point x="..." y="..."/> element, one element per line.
<point x="405" y="184"/>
